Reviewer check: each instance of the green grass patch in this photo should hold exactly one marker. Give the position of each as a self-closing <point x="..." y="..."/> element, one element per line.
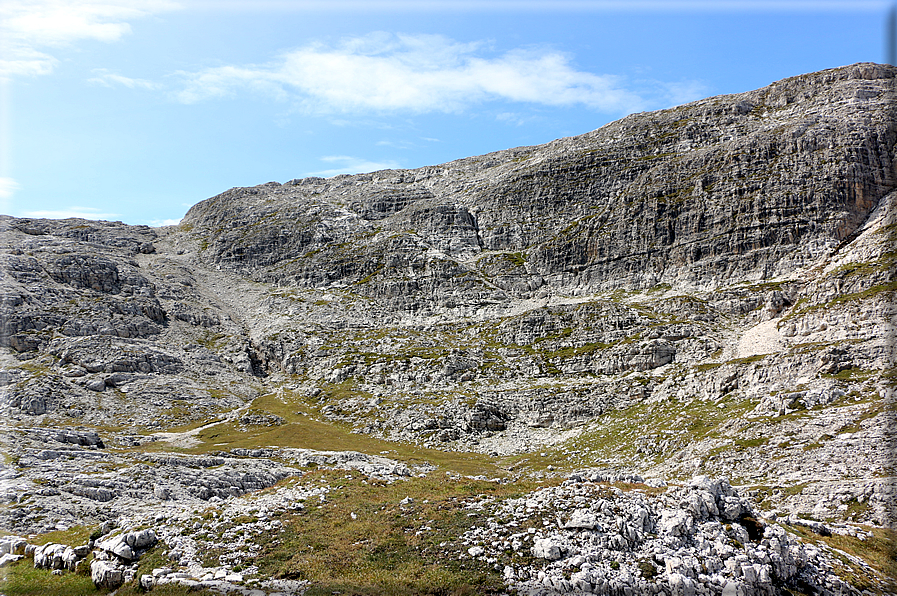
<point x="74" y="536"/>
<point x="664" y="287"/>
<point x="571" y="352"/>
<point x="22" y="579"/>
<point x="370" y="276"/>
<point x="857" y="424"/>
<point x="302" y="430"/>
<point x="387" y="548"/>
<point x="617" y="433"/>
<point x="707" y="366"/>
<point x="856" y="511"/>
<point x="867" y="268"/>
<point x="211" y="341"/>
<point x="852" y="297"/>
<point x="755" y="442"/>
<point x="748" y="359"/>
<point x="879" y="552"/>
<point x="795" y="490"/>
<point x="853" y="373"/>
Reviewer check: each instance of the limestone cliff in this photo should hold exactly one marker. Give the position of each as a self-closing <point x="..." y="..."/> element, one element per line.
<point x="731" y="188"/>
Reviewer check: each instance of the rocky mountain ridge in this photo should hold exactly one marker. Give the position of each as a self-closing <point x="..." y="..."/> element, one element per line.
<point x="705" y="290"/>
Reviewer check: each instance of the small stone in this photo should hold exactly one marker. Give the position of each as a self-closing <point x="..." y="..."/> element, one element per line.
<point x="8" y="559"/>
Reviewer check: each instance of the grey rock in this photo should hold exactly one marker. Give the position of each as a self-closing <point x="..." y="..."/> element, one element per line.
<point x="12" y="545"/>
<point x="147" y="582"/>
<point x="128" y="546"/>
<point x="106" y="574"/>
<point x="547" y="548"/>
<point x="49" y="556"/>
<point x="582" y="519"/>
<point x="7" y="559"/>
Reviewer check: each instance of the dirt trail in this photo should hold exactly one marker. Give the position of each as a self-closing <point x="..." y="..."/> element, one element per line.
<point x="188" y="438"/>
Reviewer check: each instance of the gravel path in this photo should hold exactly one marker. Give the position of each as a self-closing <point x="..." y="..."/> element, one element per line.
<point x="761" y="339"/>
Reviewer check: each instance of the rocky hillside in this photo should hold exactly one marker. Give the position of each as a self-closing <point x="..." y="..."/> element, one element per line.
<point x="684" y="296"/>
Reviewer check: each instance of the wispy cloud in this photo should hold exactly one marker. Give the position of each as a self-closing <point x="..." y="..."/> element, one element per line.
<point x="8" y="187"/>
<point x="82" y="212"/>
<point x="108" y="79"/>
<point x="513" y="118"/>
<point x="21" y="60"/>
<point x="351" y="165"/>
<point x="406" y="144"/>
<point x="554" y="6"/>
<point x="682" y="92"/>
<point x="397" y="144"/>
<point x="419" y="73"/>
<point x="30" y="29"/>
<point x="156" y="223"/>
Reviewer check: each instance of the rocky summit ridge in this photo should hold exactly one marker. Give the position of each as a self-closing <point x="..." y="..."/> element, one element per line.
<point x="663" y="352"/>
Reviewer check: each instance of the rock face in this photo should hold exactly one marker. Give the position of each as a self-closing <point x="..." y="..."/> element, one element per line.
<point x="702" y="290"/>
<point x="727" y="189"/>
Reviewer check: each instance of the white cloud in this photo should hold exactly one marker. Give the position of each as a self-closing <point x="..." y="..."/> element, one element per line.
<point x="82" y="212"/>
<point x="8" y="186"/>
<point x="351" y="165"/>
<point x="21" y="60"/>
<point x="420" y="73"/>
<point x="554" y="6"/>
<point x="108" y="79"/>
<point x="399" y="144"/>
<point x="223" y="81"/>
<point x="684" y="92"/>
<point x="29" y="27"/>
<point x="157" y="223"/>
<point x="513" y="118"/>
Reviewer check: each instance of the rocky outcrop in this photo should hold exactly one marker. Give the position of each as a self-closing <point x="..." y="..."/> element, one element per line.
<point x="747" y="186"/>
<point x="701" y="538"/>
<point x="44" y="268"/>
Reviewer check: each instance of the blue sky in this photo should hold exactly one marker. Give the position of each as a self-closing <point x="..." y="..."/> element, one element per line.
<point x="136" y="110"/>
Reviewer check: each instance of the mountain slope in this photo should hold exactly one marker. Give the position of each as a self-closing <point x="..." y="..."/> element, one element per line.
<point x="702" y="290"/>
<point x="748" y="186"/>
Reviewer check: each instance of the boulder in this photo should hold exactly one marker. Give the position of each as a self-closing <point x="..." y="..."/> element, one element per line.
<point x="127" y="546"/>
<point x="147" y="582"/>
<point x="675" y="522"/>
<point x="106" y="574"/>
<point x="8" y="559"/>
<point x="12" y="545"/>
<point x="50" y="556"/>
<point x="547" y="548"/>
<point x="681" y="585"/>
<point x="582" y="519"/>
